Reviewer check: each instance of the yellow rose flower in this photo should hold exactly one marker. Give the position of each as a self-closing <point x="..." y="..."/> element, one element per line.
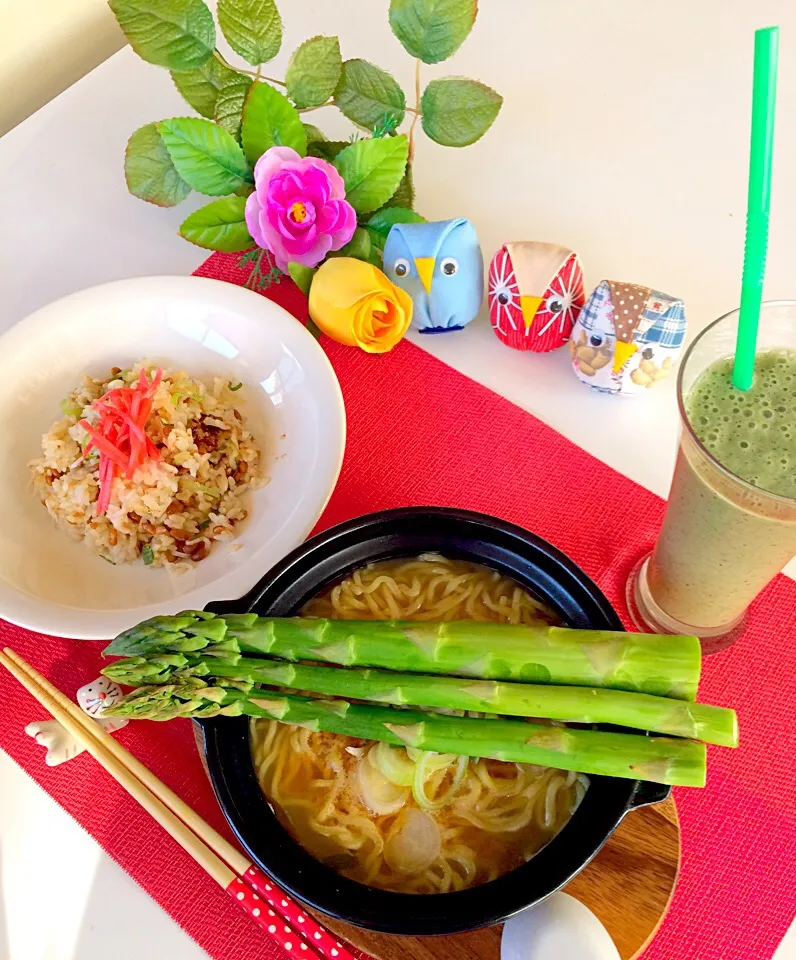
<point x="354" y="303"/>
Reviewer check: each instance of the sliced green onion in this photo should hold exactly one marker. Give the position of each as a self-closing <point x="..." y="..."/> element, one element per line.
<point x="436" y="761"/>
<point x="425" y="767"/>
<point x="204" y="524"/>
<point x="393" y="763"/>
<point x="70" y="407"/>
<point x="235" y="386"/>
<point x="179" y="395"/>
<point x="377" y="792"/>
<point x="148" y="554"/>
<point x="190" y="484"/>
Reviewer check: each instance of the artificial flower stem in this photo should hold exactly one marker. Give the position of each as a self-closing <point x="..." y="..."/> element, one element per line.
<point x="328" y="103"/>
<point x="416" y="113"/>
<point x="249" y="73"/>
<point x="258" y="279"/>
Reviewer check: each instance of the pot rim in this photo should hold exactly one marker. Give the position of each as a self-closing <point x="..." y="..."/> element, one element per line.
<point x="304" y="572"/>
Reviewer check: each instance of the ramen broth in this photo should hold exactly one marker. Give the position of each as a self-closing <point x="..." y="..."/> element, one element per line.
<point x="401" y="819"/>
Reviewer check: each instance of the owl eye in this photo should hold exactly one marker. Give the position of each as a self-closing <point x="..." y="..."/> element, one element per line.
<point x="596" y="339"/>
<point x="648" y="354"/>
<point x="401" y="267"/>
<point x="555" y="304"/>
<point x="449" y="266"/>
<point x="502" y="294"/>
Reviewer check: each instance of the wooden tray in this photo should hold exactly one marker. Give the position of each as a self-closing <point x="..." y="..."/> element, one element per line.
<point x="628" y="885"/>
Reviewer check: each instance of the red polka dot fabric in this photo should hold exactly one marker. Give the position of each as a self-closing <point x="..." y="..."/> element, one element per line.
<point x="409" y="444"/>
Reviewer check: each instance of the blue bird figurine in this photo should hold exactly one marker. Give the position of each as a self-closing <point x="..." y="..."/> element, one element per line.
<point x="441" y="268"/>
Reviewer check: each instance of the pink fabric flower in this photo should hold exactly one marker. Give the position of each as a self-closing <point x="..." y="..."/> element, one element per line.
<point x="298" y="209"/>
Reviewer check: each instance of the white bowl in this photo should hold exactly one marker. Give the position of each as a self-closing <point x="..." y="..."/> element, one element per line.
<point x="291" y="400"/>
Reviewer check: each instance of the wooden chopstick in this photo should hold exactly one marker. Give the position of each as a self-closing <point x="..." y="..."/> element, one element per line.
<point x="220" y="872"/>
<point x="232" y="857"/>
<point x="188" y="829"/>
<point x="320" y="938"/>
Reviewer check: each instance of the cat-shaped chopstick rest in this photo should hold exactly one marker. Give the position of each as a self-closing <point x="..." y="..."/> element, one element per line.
<point x="92" y="698"/>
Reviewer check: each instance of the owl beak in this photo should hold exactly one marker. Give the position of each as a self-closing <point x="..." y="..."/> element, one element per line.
<point x="529" y="306"/>
<point x="622" y="353"/>
<point x="425" y="270"/>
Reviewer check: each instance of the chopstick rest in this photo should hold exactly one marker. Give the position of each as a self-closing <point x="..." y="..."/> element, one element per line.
<point x="93" y="698"/>
<point x="245" y="884"/>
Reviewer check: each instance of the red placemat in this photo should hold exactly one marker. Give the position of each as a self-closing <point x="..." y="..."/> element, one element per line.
<point x="421" y="433"/>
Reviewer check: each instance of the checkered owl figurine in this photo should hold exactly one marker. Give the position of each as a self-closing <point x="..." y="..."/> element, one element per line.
<point x="535" y="295"/>
<point x="626" y="338"/>
<point x="441" y="268"/>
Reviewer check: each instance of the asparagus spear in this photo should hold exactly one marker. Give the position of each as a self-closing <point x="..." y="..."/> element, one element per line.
<point x="633" y="756"/>
<point x="662" y="665"/>
<point x="642" y="711"/>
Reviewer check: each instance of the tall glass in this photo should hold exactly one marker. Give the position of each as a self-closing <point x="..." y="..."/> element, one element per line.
<point x="723" y="539"/>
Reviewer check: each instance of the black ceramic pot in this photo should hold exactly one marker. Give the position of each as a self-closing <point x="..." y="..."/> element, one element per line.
<point x="546" y="573"/>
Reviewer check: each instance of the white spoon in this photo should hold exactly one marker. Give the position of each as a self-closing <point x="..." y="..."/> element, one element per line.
<point x="559" y="928"/>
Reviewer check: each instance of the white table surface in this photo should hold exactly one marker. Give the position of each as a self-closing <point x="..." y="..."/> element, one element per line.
<point x="69" y="223"/>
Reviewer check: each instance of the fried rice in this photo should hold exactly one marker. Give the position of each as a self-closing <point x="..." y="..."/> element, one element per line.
<point x="173" y="509"/>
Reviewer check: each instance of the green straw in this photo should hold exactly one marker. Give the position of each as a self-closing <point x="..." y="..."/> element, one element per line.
<point x="764" y="95"/>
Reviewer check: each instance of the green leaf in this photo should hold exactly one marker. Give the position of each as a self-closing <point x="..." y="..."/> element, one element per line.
<point x="404" y="196"/>
<point x="359" y="246"/>
<point x="385" y="219"/>
<point x="301" y="276"/>
<point x="313" y="71"/>
<point x="372" y="170"/>
<point x="229" y="104"/>
<point x="269" y="120"/>
<point x="205" y="155"/>
<point x="178" y="34"/>
<point x="457" y="111"/>
<point x="313" y="133"/>
<point x="366" y="94"/>
<point x="432" y="30"/>
<point x="200" y="87"/>
<point x="313" y="328"/>
<point x="326" y="149"/>
<point x="253" y="28"/>
<point x="376" y="257"/>
<point x="148" y="169"/>
<point x="219" y="225"/>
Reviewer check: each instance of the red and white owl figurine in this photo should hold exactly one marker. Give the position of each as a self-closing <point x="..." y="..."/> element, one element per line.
<point x="535" y="295"/>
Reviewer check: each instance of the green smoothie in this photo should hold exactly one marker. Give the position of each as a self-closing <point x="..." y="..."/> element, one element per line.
<point x="723" y="539"/>
<point x="750" y="432"/>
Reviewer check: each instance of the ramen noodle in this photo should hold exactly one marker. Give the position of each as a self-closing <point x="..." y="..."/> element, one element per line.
<point x="402" y="819"/>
